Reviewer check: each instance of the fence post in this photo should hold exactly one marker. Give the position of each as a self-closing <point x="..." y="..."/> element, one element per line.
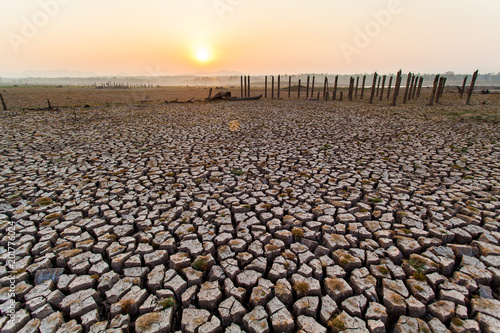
<point x="415" y="87"/>
<point x="341" y="96"/>
<point x="463" y="86"/>
<point x="351" y="88"/>
<point x="324" y="88"/>
<point x="3" y="103"/>
<point x="378" y="86"/>
<point x="265" y="87"/>
<point x="245" y="86"/>
<point x="307" y="89"/>
<point x="420" y="86"/>
<point x="289" y="86"/>
<point x="357" y="85"/>
<point x="397" y="86"/>
<point x="298" y="91"/>
<point x="434" y="88"/>
<point x="279" y="85"/>
<point x="389" y="87"/>
<point x="442" y="87"/>
<point x="241" y="86"/>
<point x="471" y="89"/>
<point x="312" y="87"/>
<point x="363" y="86"/>
<point x="335" y="87"/>
<point x="374" y="85"/>
<point x="383" y="86"/>
<point x="405" y="98"/>
<point x="438" y="92"/>
<point x="248" y="85"/>
<point x="272" y="87"/>
<point x="411" y="86"/>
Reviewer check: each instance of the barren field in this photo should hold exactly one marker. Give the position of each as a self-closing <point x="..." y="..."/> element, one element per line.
<point x="123" y="213"/>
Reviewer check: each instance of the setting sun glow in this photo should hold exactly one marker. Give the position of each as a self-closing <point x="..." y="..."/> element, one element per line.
<point x="203" y="55"/>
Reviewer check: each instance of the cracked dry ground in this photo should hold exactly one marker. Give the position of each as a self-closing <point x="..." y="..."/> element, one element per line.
<point x="312" y="216"/>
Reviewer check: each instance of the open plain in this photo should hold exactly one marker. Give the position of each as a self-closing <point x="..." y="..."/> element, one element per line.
<point x="136" y="215"/>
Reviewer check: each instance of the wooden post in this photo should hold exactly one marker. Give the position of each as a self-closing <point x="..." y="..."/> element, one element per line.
<point x="471" y="89"/>
<point x="245" y="86"/>
<point x="48" y="102"/>
<point x="279" y="85"/>
<point x="248" y="85"/>
<point x="335" y="87"/>
<point x="463" y="86"/>
<point x="397" y="86"/>
<point x="357" y="85"/>
<point x="434" y="88"/>
<point x="415" y="87"/>
<point x="242" y="86"/>
<point x="420" y="86"/>
<point x="389" y="86"/>
<point x="312" y="87"/>
<point x="351" y="88"/>
<point x="442" y="87"/>
<point x="383" y="86"/>
<point x="405" y="98"/>
<point x="3" y="103"/>
<point x="209" y="93"/>
<point x="438" y="92"/>
<point x="289" y="86"/>
<point x="265" y="87"/>
<point x="324" y="87"/>
<point x="363" y="86"/>
<point x="374" y="85"/>
<point x="378" y="85"/>
<point x="272" y="87"/>
<point x="341" y="96"/>
<point x="298" y="90"/>
<point x="307" y="88"/>
<point x="411" y="86"/>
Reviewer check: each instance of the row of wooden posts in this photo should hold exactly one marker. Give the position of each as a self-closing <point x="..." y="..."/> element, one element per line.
<point x="412" y="90"/>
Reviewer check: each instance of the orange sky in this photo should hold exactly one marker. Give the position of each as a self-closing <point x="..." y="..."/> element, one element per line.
<point x="162" y="37"/>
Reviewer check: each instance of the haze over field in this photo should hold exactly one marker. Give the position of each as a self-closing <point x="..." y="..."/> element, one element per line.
<point x="154" y="37"/>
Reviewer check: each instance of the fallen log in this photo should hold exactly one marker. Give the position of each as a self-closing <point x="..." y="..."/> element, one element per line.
<point x="226" y="95"/>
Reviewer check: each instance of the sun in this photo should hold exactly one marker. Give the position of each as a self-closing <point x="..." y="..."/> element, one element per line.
<point x="203" y="55"/>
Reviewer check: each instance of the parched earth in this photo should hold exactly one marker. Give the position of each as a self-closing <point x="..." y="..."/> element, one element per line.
<point x="267" y="216"/>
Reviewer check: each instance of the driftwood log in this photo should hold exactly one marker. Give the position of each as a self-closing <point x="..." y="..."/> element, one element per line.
<point x="226" y="95"/>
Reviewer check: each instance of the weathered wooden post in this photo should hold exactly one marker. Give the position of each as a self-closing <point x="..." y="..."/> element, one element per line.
<point x="341" y="96"/>
<point x="3" y="103"/>
<point x="463" y="87"/>
<point x="415" y="87"/>
<point x="434" y="89"/>
<point x="420" y="86"/>
<point x="298" y="90"/>
<point x="351" y="88"/>
<point x="374" y="86"/>
<point x="248" y="85"/>
<point x="471" y="89"/>
<point x="397" y="87"/>
<point x="378" y="86"/>
<point x="440" y="87"/>
<point x="242" y="86"/>
<point x="265" y="87"/>
<point x="335" y="85"/>
<point x="312" y="87"/>
<point x="279" y="85"/>
<point x="324" y="88"/>
<point x="405" y="98"/>
<point x="307" y="88"/>
<point x="357" y="85"/>
<point x="411" y="86"/>
<point x="389" y="87"/>
<point x="363" y="87"/>
<point x="383" y="86"/>
<point x="289" y="86"/>
<point x="272" y="87"/>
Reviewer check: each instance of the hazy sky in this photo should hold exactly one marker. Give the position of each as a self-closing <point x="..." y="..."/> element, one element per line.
<point x="159" y="37"/>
